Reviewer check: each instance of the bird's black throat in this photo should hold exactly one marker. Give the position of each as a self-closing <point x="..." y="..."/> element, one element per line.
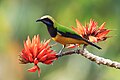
<point x="52" y="31"/>
<point x="50" y="26"/>
<point x="47" y="21"/>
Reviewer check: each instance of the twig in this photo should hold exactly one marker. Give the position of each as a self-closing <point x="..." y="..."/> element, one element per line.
<point x="92" y="57"/>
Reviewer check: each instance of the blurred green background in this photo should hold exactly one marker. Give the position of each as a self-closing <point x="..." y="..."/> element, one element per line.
<point x="17" y="21"/>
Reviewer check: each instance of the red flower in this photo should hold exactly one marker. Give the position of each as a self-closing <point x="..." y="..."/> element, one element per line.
<point x="91" y="32"/>
<point x="35" y="51"/>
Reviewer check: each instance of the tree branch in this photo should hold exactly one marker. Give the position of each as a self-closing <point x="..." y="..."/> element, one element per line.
<point x="92" y="57"/>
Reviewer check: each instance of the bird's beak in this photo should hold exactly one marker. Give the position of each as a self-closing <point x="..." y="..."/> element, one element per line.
<point x="38" y="20"/>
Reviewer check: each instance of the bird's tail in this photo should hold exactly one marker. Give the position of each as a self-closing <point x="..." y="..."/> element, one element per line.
<point x="91" y="43"/>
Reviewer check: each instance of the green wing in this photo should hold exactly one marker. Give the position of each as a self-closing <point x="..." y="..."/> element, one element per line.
<point x="64" y="29"/>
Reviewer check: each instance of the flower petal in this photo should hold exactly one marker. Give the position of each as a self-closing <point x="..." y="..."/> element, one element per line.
<point x="35" y="51"/>
<point x="76" y="30"/>
<point x="92" y="39"/>
<point x="42" y="53"/>
<point x="43" y="58"/>
<point x="35" y="61"/>
<point x="102" y="26"/>
<point x="92" y="26"/>
<point x="33" y="69"/>
<point x="28" y="41"/>
<point x="103" y="34"/>
<point x="48" y="62"/>
<point x="80" y="27"/>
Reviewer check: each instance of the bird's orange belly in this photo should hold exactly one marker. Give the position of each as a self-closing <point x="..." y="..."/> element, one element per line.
<point x="65" y="40"/>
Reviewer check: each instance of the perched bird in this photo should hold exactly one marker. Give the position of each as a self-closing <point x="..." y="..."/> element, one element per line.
<point x="63" y="34"/>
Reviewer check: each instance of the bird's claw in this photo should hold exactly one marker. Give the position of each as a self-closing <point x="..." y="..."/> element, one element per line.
<point x="60" y="52"/>
<point x="84" y="46"/>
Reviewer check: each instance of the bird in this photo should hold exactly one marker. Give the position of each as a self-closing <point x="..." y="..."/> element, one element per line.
<point x="62" y="34"/>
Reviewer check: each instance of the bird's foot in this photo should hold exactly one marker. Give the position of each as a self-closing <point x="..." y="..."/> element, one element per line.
<point x="60" y="53"/>
<point x="84" y="46"/>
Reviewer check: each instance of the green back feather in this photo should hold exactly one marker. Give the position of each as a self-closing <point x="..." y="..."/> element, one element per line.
<point x="63" y="29"/>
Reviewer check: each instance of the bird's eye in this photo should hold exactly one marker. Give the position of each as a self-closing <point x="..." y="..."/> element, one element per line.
<point x="48" y="22"/>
